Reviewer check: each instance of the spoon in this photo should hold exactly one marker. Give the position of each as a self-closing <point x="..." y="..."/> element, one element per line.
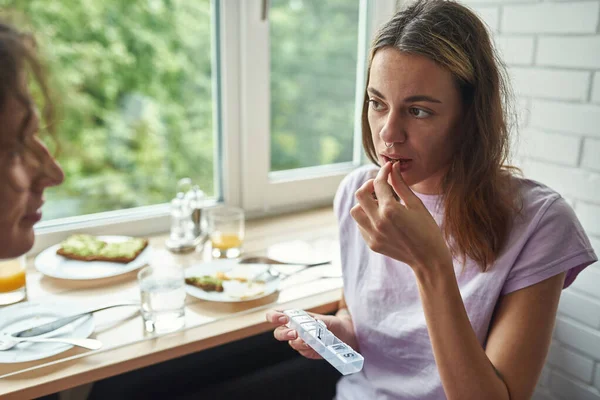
<point x="8" y="342"/>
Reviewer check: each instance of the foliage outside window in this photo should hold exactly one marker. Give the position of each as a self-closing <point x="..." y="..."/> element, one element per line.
<point x="313" y="75"/>
<point x="134" y="83"/>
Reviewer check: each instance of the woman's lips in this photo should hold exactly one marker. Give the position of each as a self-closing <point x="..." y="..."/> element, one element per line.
<point x="33" y="217"/>
<point x="405" y="165"/>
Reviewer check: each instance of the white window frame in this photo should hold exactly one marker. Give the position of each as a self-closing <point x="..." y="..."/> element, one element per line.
<point x="242" y="152"/>
<point x="264" y="192"/>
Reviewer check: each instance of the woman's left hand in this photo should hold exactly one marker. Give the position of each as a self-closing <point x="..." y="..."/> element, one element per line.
<point x="406" y="232"/>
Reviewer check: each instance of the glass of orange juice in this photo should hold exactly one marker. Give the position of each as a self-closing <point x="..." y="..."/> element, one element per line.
<point x="226" y="231"/>
<point x="12" y="280"/>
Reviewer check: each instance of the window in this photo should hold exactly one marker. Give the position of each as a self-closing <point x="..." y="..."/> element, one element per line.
<point x="300" y="132"/>
<point x="136" y="84"/>
<point x="314" y="51"/>
<point x="255" y="100"/>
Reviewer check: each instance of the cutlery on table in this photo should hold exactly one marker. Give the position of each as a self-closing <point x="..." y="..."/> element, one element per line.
<point x="59" y="323"/>
<point x="8" y="342"/>
<point x="267" y="260"/>
<point x="271" y="274"/>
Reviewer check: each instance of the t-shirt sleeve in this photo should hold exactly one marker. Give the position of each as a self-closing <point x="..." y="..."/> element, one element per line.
<point x="344" y="198"/>
<point x="340" y="198"/>
<point x="556" y="244"/>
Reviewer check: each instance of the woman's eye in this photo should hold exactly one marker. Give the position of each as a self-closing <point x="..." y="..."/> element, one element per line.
<point x="418" y="112"/>
<point x="375" y="105"/>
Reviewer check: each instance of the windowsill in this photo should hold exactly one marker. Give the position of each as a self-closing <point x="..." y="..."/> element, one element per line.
<point x="152" y="221"/>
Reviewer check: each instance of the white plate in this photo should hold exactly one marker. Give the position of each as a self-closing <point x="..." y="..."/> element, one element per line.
<point x="230" y="287"/>
<point x="51" y="264"/>
<point x="27" y="315"/>
<point x="302" y="252"/>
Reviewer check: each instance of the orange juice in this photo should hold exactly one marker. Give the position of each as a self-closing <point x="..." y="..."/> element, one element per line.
<point x="225" y="241"/>
<point x="226" y="227"/>
<point x="12" y="275"/>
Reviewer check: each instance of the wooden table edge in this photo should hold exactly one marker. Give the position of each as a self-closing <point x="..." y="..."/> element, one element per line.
<point x="118" y="360"/>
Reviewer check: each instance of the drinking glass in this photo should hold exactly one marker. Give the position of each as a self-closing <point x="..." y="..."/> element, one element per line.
<point x="226" y="231"/>
<point x="163" y="297"/>
<point x="12" y="280"/>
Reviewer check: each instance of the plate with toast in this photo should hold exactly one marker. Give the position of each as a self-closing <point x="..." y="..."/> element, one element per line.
<point x="82" y="257"/>
<point x="227" y="281"/>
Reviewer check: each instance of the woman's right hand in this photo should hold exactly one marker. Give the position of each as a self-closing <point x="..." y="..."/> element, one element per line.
<point x="340" y="326"/>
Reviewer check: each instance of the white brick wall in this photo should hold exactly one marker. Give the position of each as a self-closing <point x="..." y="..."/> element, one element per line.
<point x="545" y="376"/>
<point x="582" y="119"/>
<point x="518" y="50"/>
<point x="551" y="147"/>
<point x="542" y="394"/>
<point x="573" y="183"/>
<point x="551" y="83"/>
<point x="563" y="387"/>
<point x="596" y="88"/>
<point x="589" y="283"/>
<point x="490" y="15"/>
<point x="571" y="362"/>
<point x="591" y="154"/>
<point x="596" y="245"/>
<point x="578" y="336"/>
<point x="564" y="51"/>
<point x="580" y="307"/>
<point x="552" y="50"/>
<point x="589" y="215"/>
<point x="550" y="18"/>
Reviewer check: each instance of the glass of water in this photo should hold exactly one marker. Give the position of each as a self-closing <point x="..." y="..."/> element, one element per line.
<point x="163" y="297"/>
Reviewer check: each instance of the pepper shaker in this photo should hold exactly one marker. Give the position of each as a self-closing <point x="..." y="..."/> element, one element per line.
<point x="195" y="201"/>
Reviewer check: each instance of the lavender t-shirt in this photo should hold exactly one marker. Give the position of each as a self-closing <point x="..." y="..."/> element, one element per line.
<point x="382" y="295"/>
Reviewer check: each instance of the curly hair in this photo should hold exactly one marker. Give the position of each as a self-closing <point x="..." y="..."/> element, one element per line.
<point x="18" y="61"/>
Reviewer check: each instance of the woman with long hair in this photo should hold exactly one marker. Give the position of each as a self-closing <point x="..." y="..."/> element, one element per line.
<point x="453" y="265"/>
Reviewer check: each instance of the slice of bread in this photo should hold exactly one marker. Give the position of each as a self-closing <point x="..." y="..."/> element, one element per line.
<point x="207" y="283"/>
<point x="89" y="248"/>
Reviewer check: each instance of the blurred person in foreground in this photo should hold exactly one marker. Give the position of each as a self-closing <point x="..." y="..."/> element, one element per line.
<point x="26" y="166"/>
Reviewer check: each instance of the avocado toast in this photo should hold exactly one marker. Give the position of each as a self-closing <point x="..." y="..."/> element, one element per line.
<point x="89" y="248"/>
<point x="207" y="283"/>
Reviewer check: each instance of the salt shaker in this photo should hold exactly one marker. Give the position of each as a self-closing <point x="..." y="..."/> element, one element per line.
<point x="181" y="238"/>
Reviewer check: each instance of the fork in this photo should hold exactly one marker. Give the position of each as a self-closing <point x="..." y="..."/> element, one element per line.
<point x="274" y="274"/>
<point x="267" y="260"/>
<point x="271" y="274"/>
<point x="8" y="342"/>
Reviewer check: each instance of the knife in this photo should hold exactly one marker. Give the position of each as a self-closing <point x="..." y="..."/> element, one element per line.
<point x="54" y="325"/>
